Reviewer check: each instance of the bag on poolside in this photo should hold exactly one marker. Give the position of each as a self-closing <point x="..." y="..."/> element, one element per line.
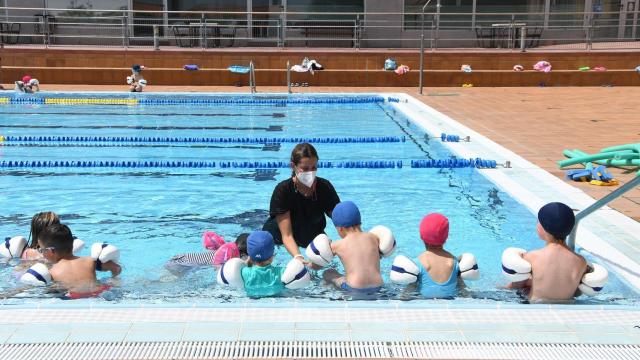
<point x="390" y="64"/>
<point x="191" y="67"/>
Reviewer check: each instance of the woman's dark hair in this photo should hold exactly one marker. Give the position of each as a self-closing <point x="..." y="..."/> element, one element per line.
<point x="39" y="222"/>
<point x="241" y="242"/>
<point x="303" y="150"/>
<point x="59" y="237"/>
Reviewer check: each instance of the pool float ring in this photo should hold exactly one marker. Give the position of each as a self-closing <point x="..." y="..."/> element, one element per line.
<point x="593" y="280"/>
<point x="211" y="240"/>
<point x="584" y="68"/>
<point x="319" y="250"/>
<point x="74" y="295"/>
<point x="230" y="274"/>
<point x="37" y="275"/>
<point x="103" y="253"/>
<point x="466" y="68"/>
<point x="191" y="67"/>
<point x="599" y="68"/>
<point x="295" y="275"/>
<point x="404" y="271"/>
<point x="518" y="68"/>
<point x="386" y="240"/>
<point x="468" y="267"/>
<point x="239" y="69"/>
<point x="514" y="267"/>
<point x="13" y="247"/>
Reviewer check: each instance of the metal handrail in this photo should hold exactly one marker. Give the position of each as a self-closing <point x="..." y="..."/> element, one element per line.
<point x="571" y="240"/>
<point x="288" y="77"/>
<point x="252" y="78"/>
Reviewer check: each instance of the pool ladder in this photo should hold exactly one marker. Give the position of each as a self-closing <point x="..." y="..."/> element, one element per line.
<point x="252" y="77"/>
<point x="571" y="241"/>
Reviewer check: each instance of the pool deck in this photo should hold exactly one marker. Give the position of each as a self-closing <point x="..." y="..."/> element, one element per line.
<point x="536" y="123"/>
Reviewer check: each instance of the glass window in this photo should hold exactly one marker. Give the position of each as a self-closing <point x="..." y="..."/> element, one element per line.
<point x="566" y="14"/>
<point x="325" y="5"/>
<point x="454" y="13"/>
<point x="491" y="12"/>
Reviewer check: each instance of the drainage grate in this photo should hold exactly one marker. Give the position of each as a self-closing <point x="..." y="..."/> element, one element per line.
<point x="313" y="350"/>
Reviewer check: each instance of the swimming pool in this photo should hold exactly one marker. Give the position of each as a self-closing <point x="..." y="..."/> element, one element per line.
<point x="154" y="212"/>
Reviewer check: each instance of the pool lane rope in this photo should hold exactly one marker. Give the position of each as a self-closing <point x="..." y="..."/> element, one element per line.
<point x="190" y="101"/>
<point x="232" y="140"/>
<point x="371" y="164"/>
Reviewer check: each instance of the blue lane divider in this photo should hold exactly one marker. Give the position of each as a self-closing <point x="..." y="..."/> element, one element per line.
<point x="259" y="140"/>
<point x="449" y="138"/>
<point x="209" y="100"/>
<point x="454" y="163"/>
<point x="368" y="164"/>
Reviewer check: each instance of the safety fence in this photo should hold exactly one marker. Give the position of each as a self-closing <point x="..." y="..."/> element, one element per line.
<point x="49" y="27"/>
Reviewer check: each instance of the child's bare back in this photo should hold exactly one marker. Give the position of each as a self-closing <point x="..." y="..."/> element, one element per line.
<point x="360" y="256"/>
<point x="75" y="274"/>
<point x="556" y="272"/>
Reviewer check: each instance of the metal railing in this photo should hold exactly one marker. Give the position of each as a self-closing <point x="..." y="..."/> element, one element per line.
<point x="125" y="28"/>
<point x="571" y="240"/>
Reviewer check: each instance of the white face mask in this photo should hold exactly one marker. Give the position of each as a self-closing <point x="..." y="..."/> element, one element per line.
<point x="307" y="177"/>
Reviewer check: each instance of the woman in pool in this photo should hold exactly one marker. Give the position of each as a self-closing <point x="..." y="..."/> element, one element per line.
<point x="300" y="203"/>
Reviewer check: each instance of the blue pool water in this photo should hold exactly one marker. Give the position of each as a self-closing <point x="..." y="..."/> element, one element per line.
<point x="154" y="213"/>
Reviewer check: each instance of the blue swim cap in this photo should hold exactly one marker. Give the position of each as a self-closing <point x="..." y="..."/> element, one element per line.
<point x="346" y="214"/>
<point x="557" y="219"/>
<point x="260" y="246"/>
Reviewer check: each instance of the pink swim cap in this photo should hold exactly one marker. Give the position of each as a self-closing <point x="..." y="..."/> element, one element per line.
<point x="26" y="79"/>
<point x="434" y="229"/>
<point x="226" y="252"/>
<point x="211" y="240"/>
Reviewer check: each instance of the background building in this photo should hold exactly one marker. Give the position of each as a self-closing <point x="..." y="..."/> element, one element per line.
<point x="375" y="23"/>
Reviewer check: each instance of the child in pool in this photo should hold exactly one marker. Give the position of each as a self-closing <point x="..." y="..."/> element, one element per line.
<point x="358" y="251"/>
<point x="260" y="276"/>
<point x="556" y="270"/>
<point x="439" y="269"/>
<point x="218" y="252"/>
<point x="75" y="274"/>
<point x="39" y="222"/>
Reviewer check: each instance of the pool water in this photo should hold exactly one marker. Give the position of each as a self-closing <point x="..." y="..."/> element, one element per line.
<point x="154" y="213"/>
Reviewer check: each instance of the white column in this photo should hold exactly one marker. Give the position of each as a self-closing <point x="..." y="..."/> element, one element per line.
<point x="547" y="6"/>
<point x="588" y="4"/>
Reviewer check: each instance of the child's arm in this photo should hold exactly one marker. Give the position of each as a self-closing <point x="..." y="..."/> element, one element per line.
<point x="111" y="266"/>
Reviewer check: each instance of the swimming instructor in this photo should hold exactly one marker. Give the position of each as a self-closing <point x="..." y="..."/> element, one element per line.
<point x="300" y="203"/>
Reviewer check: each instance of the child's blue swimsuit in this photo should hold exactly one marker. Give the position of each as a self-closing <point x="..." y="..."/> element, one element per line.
<point x="434" y="290"/>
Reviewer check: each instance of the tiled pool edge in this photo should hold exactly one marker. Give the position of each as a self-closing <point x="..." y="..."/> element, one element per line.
<point x="532" y="325"/>
<point x="533" y="187"/>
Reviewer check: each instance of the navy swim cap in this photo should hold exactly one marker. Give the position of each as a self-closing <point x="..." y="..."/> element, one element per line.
<point x="346" y="214"/>
<point x="557" y="219"/>
<point x="260" y="246"/>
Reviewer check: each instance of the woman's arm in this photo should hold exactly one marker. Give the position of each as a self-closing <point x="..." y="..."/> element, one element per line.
<point x="284" y="224"/>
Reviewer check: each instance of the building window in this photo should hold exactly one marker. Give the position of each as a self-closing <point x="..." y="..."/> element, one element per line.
<point x="455" y="14"/>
